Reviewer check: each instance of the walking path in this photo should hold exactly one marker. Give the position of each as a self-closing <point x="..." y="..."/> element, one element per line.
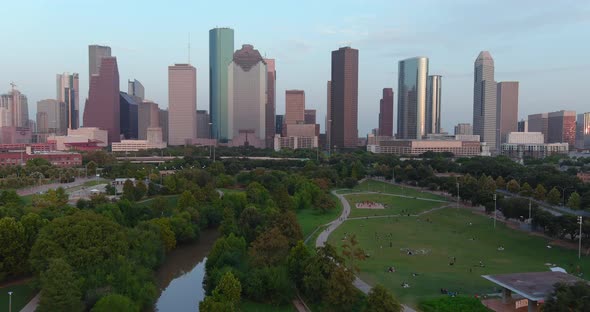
<point x="398" y="195"/>
<point x="323" y="238"/>
<point x="32" y="305"/>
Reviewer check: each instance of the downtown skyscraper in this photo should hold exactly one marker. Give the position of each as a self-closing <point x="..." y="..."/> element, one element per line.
<point x="95" y="55"/>
<point x="271" y="98"/>
<point x="484" y="100"/>
<point x="182" y="104"/>
<point x="386" y="113"/>
<point x="433" y="103"/>
<point x="507" y="112"/>
<point x="411" y="98"/>
<point x="67" y="89"/>
<point x="344" y="98"/>
<point x="221" y="50"/>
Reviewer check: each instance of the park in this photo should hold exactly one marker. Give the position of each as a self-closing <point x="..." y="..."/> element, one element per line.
<point x="421" y="245"/>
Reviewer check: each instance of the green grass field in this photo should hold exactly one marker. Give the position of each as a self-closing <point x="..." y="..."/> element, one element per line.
<point x="450" y="233"/>
<point x="172" y="200"/>
<point x="22" y="293"/>
<point x="378" y="186"/>
<point x="310" y="219"/>
<point x="393" y="205"/>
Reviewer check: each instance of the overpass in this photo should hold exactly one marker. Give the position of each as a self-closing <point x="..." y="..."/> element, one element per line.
<point x="163" y="159"/>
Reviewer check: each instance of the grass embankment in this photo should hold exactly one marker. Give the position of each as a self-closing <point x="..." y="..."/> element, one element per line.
<point x="383" y="187"/>
<point x="21" y="295"/>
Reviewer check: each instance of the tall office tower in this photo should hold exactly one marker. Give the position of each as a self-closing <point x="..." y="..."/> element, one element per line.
<point x="135" y="88"/>
<point x="15" y="109"/>
<point x="203" y="127"/>
<point x="463" y="128"/>
<point x="279" y="122"/>
<point x="68" y="92"/>
<point x="221" y="52"/>
<point x="128" y="115"/>
<point x="148" y="116"/>
<point x="271" y="95"/>
<point x="310" y="117"/>
<point x="562" y="128"/>
<point x="182" y="103"/>
<point x="344" y="98"/>
<point x="539" y="123"/>
<point x="328" y="120"/>
<point x="523" y="126"/>
<point x="507" y="113"/>
<point x="294" y="107"/>
<point x="583" y="131"/>
<point x="33" y="125"/>
<point x="164" y="124"/>
<point x="386" y="113"/>
<point x="247" y="77"/>
<point x="433" y="103"/>
<point x="411" y="98"/>
<point x="49" y="118"/>
<point x="95" y="55"/>
<point x="102" y="109"/>
<point x="484" y="100"/>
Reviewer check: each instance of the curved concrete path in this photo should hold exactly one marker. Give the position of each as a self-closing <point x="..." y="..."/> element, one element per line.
<point x="323" y="238"/>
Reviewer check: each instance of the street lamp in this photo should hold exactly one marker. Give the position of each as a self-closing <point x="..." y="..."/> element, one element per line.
<point x="495" y="210"/>
<point x="10" y="301"/>
<point x="580" y="238"/>
<point x="563" y="189"/>
<point x="458" y="195"/>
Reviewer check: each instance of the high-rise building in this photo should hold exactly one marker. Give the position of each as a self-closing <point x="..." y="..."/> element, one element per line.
<point x="135" y="88"/>
<point x="95" y="55"/>
<point x="484" y="100"/>
<point x="583" y="131"/>
<point x="344" y="98"/>
<point x="271" y="95"/>
<point x="507" y="113"/>
<point x="539" y="123"/>
<point x="221" y="50"/>
<point x="279" y="122"/>
<point x="310" y="117"/>
<point x="411" y="98"/>
<point x="148" y="116"/>
<point x="129" y="116"/>
<point x="463" y="129"/>
<point x="182" y="103"/>
<point x="294" y="107"/>
<point x="386" y="113"/>
<point x="523" y="126"/>
<point x="15" y="109"/>
<point x="49" y="117"/>
<point x="102" y="109"/>
<point x="433" y="103"/>
<point x="247" y="77"/>
<point x="562" y="127"/>
<point x="203" y="127"/>
<point x="68" y="92"/>
<point x="164" y="124"/>
<point x="328" y="114"/>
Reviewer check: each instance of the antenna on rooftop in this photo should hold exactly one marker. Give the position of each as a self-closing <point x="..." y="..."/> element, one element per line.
<point x="189" y="47"/>
<point x="13" y="85"/>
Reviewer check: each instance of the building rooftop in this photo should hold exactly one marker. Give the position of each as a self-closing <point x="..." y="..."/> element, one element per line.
<point x="534" y="286"/>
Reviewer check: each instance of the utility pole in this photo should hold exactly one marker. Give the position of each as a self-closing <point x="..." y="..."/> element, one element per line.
<point x="495" y="210"/>
<point x="580" y="238"/>
<point x="530" y="217"/>
<point x="458" y="195"/>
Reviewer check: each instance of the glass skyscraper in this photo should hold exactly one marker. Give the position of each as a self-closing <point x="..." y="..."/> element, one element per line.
<point x="221" y="49"/>
<point x="484" y="100"/>
<point x="433" y="91"/>
<point x="411" y="100"/>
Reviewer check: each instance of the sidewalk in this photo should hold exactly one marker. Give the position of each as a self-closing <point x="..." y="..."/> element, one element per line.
<point x="32" y="305"/>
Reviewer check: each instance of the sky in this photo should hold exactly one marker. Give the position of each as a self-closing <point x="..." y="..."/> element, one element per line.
<point x="543" y="44"/>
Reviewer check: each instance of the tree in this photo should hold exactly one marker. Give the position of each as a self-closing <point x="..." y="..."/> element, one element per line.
<point x="249" y="222"/>
<point x="381" y="300"/>
<point x="115" y="302"/>
<point x="340" y="292"/>
<point x="540" y="192"/>
<point x="568" y="298"/>
<point x="269" y="249"/>
<point x="526" y="189"/>
<point x="352" y="253"/>
<point x="140" y="190"/>
<point x="128" y="190"/>
<point x="13" y="250"/>
<point x="226" y="295"/>
<point x="513" y="186"/>
<point x="60" y="288"/>
<point x="554" y="197"/>
<point x="296" y="262"/>
<point x="186" y="200"/>
<point x="574" y="201"/>
<point x="166" y="233"/>
<point x="91" y="167"/>
<point x="500" y="182"/>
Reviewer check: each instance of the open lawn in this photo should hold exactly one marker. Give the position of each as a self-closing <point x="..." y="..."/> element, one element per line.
<point x="172" y="200"/>
<point x="450" y="233"/>
<point x="383" y="187"/>
<point x="393" y="205"/>
<point x="310" y="219"/>
<point x="21" y="295"/>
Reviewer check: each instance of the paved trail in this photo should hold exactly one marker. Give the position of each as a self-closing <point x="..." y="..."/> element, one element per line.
<point x="323" y="238"/>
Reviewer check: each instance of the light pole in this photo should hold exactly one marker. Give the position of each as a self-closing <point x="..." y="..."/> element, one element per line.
<point x="580" y="238"/>
<point x="494" y="210"/>
<point x="530" y="216"/>
<point x="458" y="195"/>
<point x="563" y="189"/>
<point x="10" y="301"/>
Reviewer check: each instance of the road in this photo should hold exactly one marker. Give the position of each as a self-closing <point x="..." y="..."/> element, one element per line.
<point x="323" y="238"/>
<point x="84" y="192"/>
<point x="45" y="187"/>
<point x="550" y="208"/>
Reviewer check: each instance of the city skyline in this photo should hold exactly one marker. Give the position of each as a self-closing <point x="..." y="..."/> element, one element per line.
<point x="382" y="45"/>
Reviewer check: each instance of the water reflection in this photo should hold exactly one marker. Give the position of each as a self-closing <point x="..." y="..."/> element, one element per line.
<point x="180" y="278"/>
